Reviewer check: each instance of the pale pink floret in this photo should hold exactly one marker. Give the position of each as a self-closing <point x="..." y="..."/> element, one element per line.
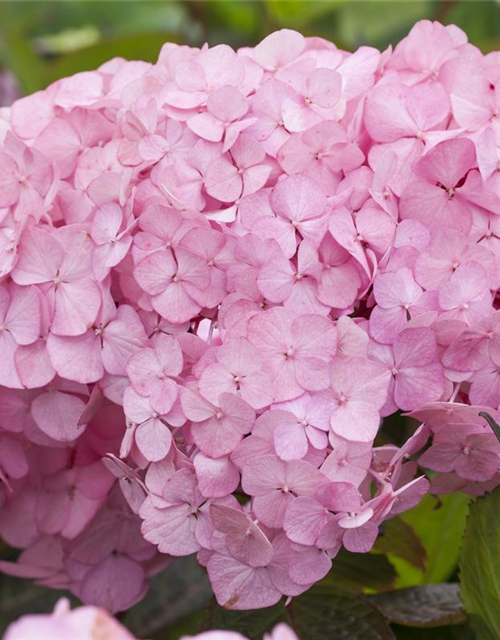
<point x="319" y="152"/>
<point x="279" y="48"/>
<point x="69" y="500"/>
<point x="395" y="111"/>
<point x="147" y="427"/>
<point x="274" y="483"/>
<point x="358" y="388"/>
<point x="447" y="251"/>
<point x="20" y="324"/>
<point x="242" y="173"/>
<point x="238" y="369"/>
<point x="105" y="347"/>
<point x="440" y="199"/>
<point x="176" y="282"/>
<point x="58" y="410"/>
<point x="223" y="118"/>
<point x="296" y="351"/>
<point x="267" y="105"/>
<point x="172" y="527"/>
<point x="280" y="280"/>
<point x="466" y="296"/>
<point x="318" y="91"/>
<point x="27" y="179"/>
<point x="307" y="517"/>
<point x="466" y="449"/>
<point x="348" y="462"/>
<point x="399" y="298"/>
<point x="216" y="251"/>
<point x="308" y="424"/>
<point x="62" y="262"/>
<point x="339" y="280"/>
<point x="244" y="539"/>
<point x="413" y="361"/>
<point x="298" y="202"/>
<point x="111" y="234"/>
<point x="217" y="430"/>
<point x="475" y="346"/>
<point x="151" y="372"/>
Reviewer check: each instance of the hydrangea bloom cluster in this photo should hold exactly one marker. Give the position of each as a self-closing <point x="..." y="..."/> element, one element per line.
<point x="92" y="623"/>
<point x="218" y="274"/>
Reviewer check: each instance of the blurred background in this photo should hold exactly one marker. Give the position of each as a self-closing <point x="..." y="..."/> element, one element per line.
<point x="43" y="41"/>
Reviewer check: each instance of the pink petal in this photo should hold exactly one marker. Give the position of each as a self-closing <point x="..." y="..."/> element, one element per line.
<point x="216" y="478"/>
<point x="153" y="439"/>
<point x="57" y="415"/>
<point x="239" y="586"/>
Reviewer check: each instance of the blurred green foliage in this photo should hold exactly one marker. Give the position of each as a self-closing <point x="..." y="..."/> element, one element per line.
<point x="41" y="41"/>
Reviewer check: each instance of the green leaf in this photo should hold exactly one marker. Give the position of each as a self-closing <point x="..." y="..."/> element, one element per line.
<point x="359" y="571"/>
<point x="480" y="20"/>
<point x="431" y="605"/>
<point x="17" y="55"/>
<point x="299" y="15"/>
<point x="322" y="613"/>
<point x="480" y="566"/>
<point x="251" y="624"/>
<point x="138" y="47"/>
<point x="399" y="538"/>
<point x="176" y="593"/>
<point x="440" y="525"/>
<point x="378" y="23"/>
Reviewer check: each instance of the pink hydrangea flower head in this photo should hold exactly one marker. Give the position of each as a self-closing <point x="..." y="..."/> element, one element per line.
<point x="219" y="274"/>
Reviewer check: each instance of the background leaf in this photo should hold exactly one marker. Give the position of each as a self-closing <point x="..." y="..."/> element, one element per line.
<point x="357" y="572"/>
<point x="131" y="48"/>
<point x="176" y="593"/>
<point x="18" y="596"/>
<point x="400" y="539"/>
<point x="480" y="20"/>
<point x="480" y="567"/>
<point x="455" y="632"/>
<point x="380" y="23"/>
<point x="431" y="605"/>
<point x="439" y="524"/>
<point x="322" y="613"/>
<point x="301" y="15"/>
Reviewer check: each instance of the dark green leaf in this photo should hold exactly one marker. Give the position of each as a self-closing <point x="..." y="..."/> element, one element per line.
<point x="177" y="592"/>
<point x="19" y="597"/>
<point x="431" y="605"/>
<point x="322" y="613"/>
<point x="252" y="624"/>
<point x="326" y="613"/>
<point x="480" y="566"/>
<point x="359" y="571"/>
<point x="454" y="632"/>
<point x="399" y="538"/>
